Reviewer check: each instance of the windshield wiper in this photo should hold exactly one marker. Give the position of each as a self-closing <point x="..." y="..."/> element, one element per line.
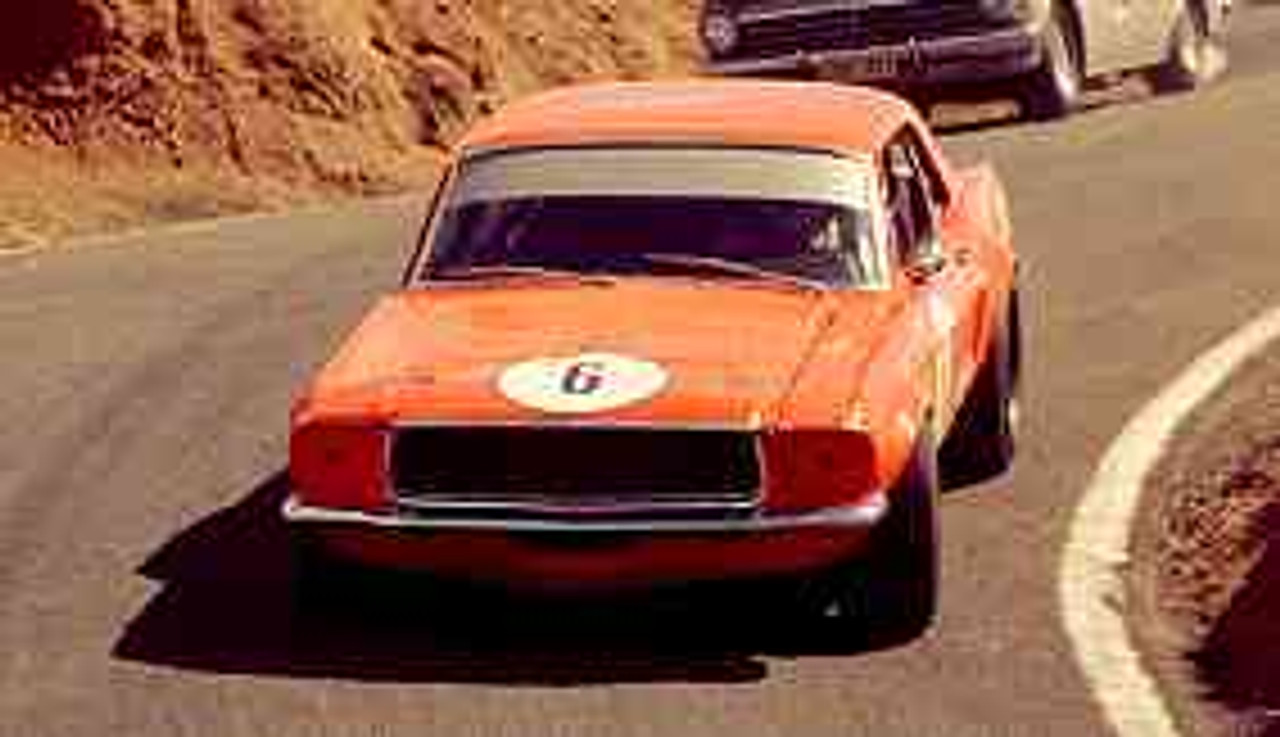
<point x="725" y="267"/>
<point x="513" y="271"/>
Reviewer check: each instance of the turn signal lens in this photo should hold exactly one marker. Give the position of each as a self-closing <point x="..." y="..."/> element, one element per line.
<point x="342" y="466"/>
<point x="1008" y="10"/>
<point x="809" y="469"/>
<point x="720" y="33"/>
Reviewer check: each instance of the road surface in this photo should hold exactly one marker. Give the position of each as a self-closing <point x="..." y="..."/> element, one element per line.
<point x="146" y="389"/>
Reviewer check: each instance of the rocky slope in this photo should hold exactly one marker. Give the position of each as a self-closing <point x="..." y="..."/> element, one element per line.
<point x="113" y="111"/>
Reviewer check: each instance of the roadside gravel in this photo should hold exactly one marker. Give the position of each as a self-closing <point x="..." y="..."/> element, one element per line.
<point x="1207" y="573"/>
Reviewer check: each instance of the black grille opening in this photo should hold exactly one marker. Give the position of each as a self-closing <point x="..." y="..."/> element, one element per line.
<point x="574" y="467"/>
<point x="830" y="27"/>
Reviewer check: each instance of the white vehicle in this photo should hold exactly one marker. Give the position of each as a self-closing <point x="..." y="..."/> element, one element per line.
<point x="1045" y="50"/>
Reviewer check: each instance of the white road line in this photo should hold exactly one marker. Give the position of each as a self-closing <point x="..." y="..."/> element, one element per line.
<point x="1090" y="575"/>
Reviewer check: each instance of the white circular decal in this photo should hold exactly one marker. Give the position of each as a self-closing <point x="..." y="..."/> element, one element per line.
<point x="589" y="382"/>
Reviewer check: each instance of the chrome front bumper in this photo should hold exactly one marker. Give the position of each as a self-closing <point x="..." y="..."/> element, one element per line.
<point x="975" y="58"/>
<point x="864" y="514"/>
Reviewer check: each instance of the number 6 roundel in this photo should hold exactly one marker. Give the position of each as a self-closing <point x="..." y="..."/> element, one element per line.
<point x="588" y="382"/>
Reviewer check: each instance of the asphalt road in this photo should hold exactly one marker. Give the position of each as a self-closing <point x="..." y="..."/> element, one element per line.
<point x="146" y="389"/>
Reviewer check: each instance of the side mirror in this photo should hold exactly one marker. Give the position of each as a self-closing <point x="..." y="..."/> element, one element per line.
<point x="926" y="266"/>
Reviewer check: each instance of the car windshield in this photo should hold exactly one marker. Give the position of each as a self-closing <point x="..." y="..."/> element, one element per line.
<point x="771" y="215"/>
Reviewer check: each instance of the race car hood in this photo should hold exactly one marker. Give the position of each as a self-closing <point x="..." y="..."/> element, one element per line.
<point x="635" y="350"/>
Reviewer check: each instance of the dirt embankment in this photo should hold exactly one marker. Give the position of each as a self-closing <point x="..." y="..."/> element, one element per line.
<point x="117" y="111"/>
<point x="1210" y="585"/>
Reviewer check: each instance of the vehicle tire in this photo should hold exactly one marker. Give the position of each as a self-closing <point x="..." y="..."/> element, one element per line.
<point x="922" y="100"/>
<point x="317" y="578"/>
<point x="890" y="594"/>
<point x="1053" y="91"/>
<point x="1193" y="57"/>
<point x="983" y="438"/>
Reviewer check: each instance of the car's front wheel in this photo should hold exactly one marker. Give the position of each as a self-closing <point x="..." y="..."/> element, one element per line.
<point x="1053" y="90"/>
<point x="983" y="437"/>
<point x="891" y="593"/>
<point x="1195" y="52"/>
<point x="318" y="579"/>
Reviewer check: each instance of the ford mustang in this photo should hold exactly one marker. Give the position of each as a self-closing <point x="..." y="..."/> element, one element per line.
<point x="671" y="332"/>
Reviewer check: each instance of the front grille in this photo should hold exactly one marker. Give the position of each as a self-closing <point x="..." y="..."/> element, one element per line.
<point x="587" y="468"/>
<point x="775" y="30"/>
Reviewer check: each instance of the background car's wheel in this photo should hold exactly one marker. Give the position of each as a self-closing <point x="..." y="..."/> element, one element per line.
<point x="983" y="438"/>
<point x="890" y="595"/>
<point x="1195" y="55"/>
<point x="1053" y="90"/>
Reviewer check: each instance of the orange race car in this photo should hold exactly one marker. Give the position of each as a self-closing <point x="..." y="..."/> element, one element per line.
<point x="670" y="332"/>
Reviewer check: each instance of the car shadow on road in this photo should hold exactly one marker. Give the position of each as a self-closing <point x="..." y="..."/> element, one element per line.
<point x="989" y="108"/>
<point x="225" y="606"/>
<point x="1238" y="659"/>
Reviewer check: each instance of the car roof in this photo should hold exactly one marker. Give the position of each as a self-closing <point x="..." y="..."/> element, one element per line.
<point x="844" y="118"/>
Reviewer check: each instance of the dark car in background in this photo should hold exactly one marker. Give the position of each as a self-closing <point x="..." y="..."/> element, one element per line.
<point x="1043" y="50"/>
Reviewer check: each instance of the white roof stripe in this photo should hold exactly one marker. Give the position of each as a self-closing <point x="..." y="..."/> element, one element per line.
<point x="683" y="171"/>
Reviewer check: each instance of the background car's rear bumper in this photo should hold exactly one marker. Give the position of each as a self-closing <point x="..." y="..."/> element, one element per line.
<point x="995" y="55"/>
<point x="549" y="554"/>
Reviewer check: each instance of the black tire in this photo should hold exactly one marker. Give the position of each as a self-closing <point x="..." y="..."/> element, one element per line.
<point x="890" y="595"/>
<point x="922" y="100"/>
<point x="318" y="580"/>
<point x="1053" y="90"/>
<point x="983" y="438"/>
<point x="1189" y="60"/>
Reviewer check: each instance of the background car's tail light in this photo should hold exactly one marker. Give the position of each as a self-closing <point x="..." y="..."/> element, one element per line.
<point x="808" y="469"/>
<point x="338" y="465"/>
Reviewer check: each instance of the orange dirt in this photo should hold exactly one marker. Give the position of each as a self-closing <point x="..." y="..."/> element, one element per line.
<point x="1208" y="560"/>
<point x="117" y="111"/>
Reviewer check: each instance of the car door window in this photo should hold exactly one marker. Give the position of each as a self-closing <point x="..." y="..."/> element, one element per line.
<point x="912" y="201"/>
<point x="842" y="244"/>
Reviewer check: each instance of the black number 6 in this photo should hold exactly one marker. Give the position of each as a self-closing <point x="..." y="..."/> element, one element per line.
<point x="582" y="378"/>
